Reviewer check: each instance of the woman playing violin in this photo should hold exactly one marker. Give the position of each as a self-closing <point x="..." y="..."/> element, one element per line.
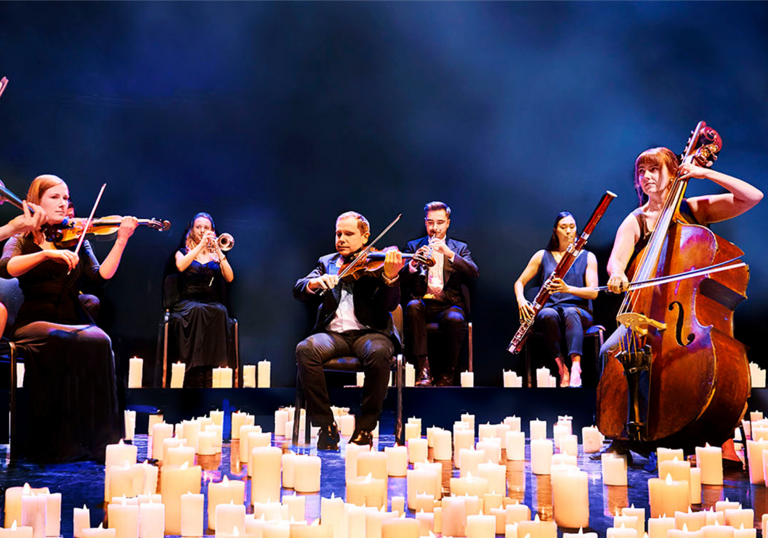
<point x="70" y="365"/>
<point x="568" y="310"/>
<point x="200" y="322"/>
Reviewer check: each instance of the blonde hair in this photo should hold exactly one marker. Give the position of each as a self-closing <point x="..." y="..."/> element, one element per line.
<point x="35" y="193"/>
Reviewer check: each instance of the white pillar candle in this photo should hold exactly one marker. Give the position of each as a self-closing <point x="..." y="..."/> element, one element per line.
<point x="509" y="378"/>
<point x="296" y="506"/>
<point x="397" y="460"/>
<point x="333" y="514"/>
<point x="244" y="446"/>
<point x="669" y="454"/>
<point x="119" y="454"/>
<point x="469" y="418"/>
<point x="256" y="439"/>
<point x="538" y="429"/>
<point x="176" y="482"/>
<point x="614" y="467"/>
<point x="695" y="485"/>
<point x="454" y="516"/>
<point x="542" y="377"/>
<point x="177" y="456"/>
<point x="135" y="370"/>
<point x="218" y="433"/>
<point x="410" y="375"/>
<point x="191" y="514"/>
<point x="99" y="533"/>
<point x="265" y="374"/>
<point x="628" y="522"/>
<point x="437" y="469"/>
<point x="33" y="512"/>
<point x="570" y="498"/>
<point x="692" y="521"/>
<point x="412" y="431"/>
<point x="491" y="447"/>
<point x="225" y="377"/>
<point x="417" y="450"/>
<point x="469" y="485"/>
<point x="419" y="481"/>
<point x="481" y="526"/>
<point x="517" y="512"/>
<point x="307" y="474"/>
<point x="515" y="446"/>
<point x="638" y="513"/>
<point x="659" y="526"/>
<point x="591" y="439"/>
<point x="151" y="520"/>
<point x="564" y="459"/>
<point x="206" y="444"/>
<point x="53" y="514"/>
<point x="541" y="456"/>
<point x="177" y="375"/>
<point x="230" y="518"/>
<point x="124" y="518"/>
<point x="745" y="533"/>
<point x="129" y="422"/>
<point x="717" y="531"/>
<point x="359" y="379"/>
<point x="269" y="511"/>
<point x="350" y="459"/>
<point x="710" y="460"/>
<point x="668" y="496"/>
<point x="277" y="529"/>
<point x="191" y="432"/>
<point x="442" y="450"/>
<point x="249" y="376"/>
<point x="513" y="422"/>
<point x="281" y="418"/>
<point x="496" y="475"/>
<point x="224" y="492"/>
<point x="462" y="438"/>
<point x="680" y="470"/>
<point x="470" y="459"/>
<point x="467" y="379"/>
<point x="159" y="433"/>
<point x="740" y="518"/>
<point x="398" y="527"/>
<point x="347" y="425"/>
<point x="81" y="519"/>
<point x="266" y="465"/>
<point x="621" y="532"/>
<point x="425" y="502"/>
<point x="367" y="491"/>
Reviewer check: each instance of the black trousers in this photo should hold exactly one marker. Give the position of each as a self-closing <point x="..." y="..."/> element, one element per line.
<point x="450" y="318"/>
<point x="375" y="351"/>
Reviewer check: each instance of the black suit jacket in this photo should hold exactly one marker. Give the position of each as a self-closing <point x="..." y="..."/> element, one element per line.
<point x="373" y="299"/>
<point x="456" y="275"/>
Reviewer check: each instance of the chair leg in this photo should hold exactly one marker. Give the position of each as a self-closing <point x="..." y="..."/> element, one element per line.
<point x="399" y="382"/>
<point x="470" y="343"/>
<point x="13" y="439"/>
<point x="237" y="355"/>
<point x="528" y="376"/>
<point x="298" y="404"/>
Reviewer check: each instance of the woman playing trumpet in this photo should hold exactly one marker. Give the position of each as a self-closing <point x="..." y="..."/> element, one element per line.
<point x="200" y="330"/>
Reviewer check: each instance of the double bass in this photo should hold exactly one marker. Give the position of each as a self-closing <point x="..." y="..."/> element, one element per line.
<point x="679" y="378"/>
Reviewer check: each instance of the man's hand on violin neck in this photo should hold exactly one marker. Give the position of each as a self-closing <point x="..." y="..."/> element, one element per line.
<point x="393" y="263"/>
<point x="323" y="282"/>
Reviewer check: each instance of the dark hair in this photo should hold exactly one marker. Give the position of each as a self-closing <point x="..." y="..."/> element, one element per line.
<point x="437" y="206"/>
<point x="554" y="242"/>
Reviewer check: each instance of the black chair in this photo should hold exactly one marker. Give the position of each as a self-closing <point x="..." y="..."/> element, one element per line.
<point x="170" y="298"/>
<point x="594" y="332"/>
<point x="12" y="297"/>
<point x="352" y="364"/>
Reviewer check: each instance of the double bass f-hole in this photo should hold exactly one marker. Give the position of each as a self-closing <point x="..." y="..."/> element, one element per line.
<point x="679" y="325"/>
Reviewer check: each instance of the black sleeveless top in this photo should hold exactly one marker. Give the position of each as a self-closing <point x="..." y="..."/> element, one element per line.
<point x="576" y="277"/>
<point x="645" y="233"/>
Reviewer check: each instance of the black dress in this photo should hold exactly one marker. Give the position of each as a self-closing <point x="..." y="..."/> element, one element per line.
<point x="70" y="370"/>
<point x="201" y="332"/>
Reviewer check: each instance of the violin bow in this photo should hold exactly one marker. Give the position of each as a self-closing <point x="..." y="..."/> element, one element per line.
<point x="3" y="85"/>
<point x="365" y="251"/>
<point x="88" y="222"/>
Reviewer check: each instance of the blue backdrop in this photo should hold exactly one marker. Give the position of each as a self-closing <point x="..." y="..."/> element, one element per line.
<point x="276" y="117"/>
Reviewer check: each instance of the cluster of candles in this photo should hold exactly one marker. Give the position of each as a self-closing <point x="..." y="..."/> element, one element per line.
<point x="476" y="505"/>
<point x="222" y="377"/>
<point x="544" y="379"/>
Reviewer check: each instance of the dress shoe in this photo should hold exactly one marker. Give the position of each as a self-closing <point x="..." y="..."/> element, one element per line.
<point x="361" y="437"/>
<point x="328" y="438"/>
<point x="425" y="376"/>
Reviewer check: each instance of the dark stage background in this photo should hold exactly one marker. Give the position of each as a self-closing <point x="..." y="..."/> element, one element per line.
<point x="276" y="117"/>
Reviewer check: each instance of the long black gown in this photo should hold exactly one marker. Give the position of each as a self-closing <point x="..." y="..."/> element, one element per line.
<point x="70" y="369"/>
<point x="200" y="332"/>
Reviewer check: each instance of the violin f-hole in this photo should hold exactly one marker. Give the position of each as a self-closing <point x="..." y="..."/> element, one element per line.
<point x="679" y="325"/>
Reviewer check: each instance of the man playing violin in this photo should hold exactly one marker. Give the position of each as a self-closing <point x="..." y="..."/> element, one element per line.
<point x="439" y="294"/>
<point x="353" y="319"/>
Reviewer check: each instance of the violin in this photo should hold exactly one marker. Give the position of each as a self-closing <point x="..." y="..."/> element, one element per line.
<point x="69" y="231"/>
<point x="373" y="265"/>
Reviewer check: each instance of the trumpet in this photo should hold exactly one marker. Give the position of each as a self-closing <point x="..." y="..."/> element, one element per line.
<point x="225" y="242"/>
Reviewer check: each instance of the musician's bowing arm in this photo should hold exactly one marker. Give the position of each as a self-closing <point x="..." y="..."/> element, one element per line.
<point x="627" y="237"/>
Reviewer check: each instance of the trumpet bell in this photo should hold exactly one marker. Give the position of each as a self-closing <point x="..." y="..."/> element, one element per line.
<point x="226" y="242"/>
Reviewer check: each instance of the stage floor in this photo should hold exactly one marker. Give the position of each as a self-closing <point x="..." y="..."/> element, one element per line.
<point x="83" y="484"/>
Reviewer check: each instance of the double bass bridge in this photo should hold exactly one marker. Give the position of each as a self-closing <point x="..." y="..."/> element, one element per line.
<point x="639" y="323"/>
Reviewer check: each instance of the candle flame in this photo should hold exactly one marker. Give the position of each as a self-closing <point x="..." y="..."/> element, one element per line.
<point x="225" y="481"/>
<point x="26" y="490"/>
<point x="685" y="527"/>
<point x="236" y="531"/>
<point x="742" y="526"/>
<point x="184" y="465"/>
<point x="581" y="531"/>
<point x="536" y="519"/>
<point x="101" y="526"/>
<point x="669" y="479"/>
<point x="315" y="523"/>
<point x="622" y="525"/>
<point x="84" y="508"/>
<point x="13" y="526"/>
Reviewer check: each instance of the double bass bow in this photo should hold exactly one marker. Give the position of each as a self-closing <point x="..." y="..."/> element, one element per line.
<point x="562" y="268"/>
<point x="678" y="377"/>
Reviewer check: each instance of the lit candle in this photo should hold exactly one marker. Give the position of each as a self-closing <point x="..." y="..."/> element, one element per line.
<point x="175" y="456"/>
<point x="129" y="421"/>
<point x="692" y="521"/>
<point x="367" y="491"/>
<point x="350" y="459"/>
<point x="347" y="425"/>
<point x="265" y="462"/>
<point x="513" y="422"/>
<point x="419" y="481"/>
<point x="695" y="485"/>
<point x="541" y="455"/>
<point x="332" y="513"/>
<point x="99" y="533"/>
<point x="517" y="512"/>
<point x="244" y="446"/>
<point x="442" y="450"/>
<point x="668" y="496"/>
<point x="296" y="506"/>
<point x="177" y="375"/>
<point x="614" y="469"/>
<point x="229" y="519"/>
<point x="249" y="376"/>
<point x="191" y="433"/>
<point x="481" y="526"/>
<point x="491" y="448"/>
<point x="467" y="379"/>
<point x="206" y="444"/>
<point x="669" y="454"/>
<point x="81" y="519"/>
<point x="470" y="460"/>
<point x="33" y="511"/>
<point x="151" y="520"/>
<point x="373" y="463"/>
<point x="454" y="516"/>
<point x="462" y="438"/>
<point x="537" y="528"/>
<point x="538" y="429"/>
<point x="469" y="485"/>
<point x="496" y="475"/>
<point x="569" y="444"/>
<point x="178" y="481"/>
<point x="225" y="377"/>
<point x="437" y="469"/>
<point x="397" y="460"/>
<point x="135" y="370"/>
<point x="639" y="513"/>
<point x="426" y="523"/>
<point x="740" y="518"/>
<point x="570" y="498"/>
<point x="745" y="533"/>
<point x="515" y="446"/>
<point x="190" y="517"/>
<point x="117" y="455"/>
<point x="265" y="370"/>
<point x="542" y="377"/>
<point x="53" y="515"/>
<point x="621" y="532"/>
<point x="256" y="439"/>
<point x="410" y="375"/>
<point x="124" y="518"/>
<point x="417" y="450"/>
<point x="710" y="460"/>
<point x="412" y="431"/>
<point x="224" y="492"/>
<point x="307" y="474"/>
<point x="659" y="526"/>
<point x="400" y="527"/>
<point x="592" y="439"/>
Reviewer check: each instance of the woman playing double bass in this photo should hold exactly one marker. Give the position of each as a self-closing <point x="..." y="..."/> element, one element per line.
<point x="655" y="172"/>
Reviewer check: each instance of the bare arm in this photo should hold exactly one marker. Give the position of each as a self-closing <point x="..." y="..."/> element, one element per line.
<point x="524" y="308"/>
<point x="719" y="207"/>
<point x="112" y="261"/>
<point x="627" y="237"/>
<point x="590" y="280"/>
